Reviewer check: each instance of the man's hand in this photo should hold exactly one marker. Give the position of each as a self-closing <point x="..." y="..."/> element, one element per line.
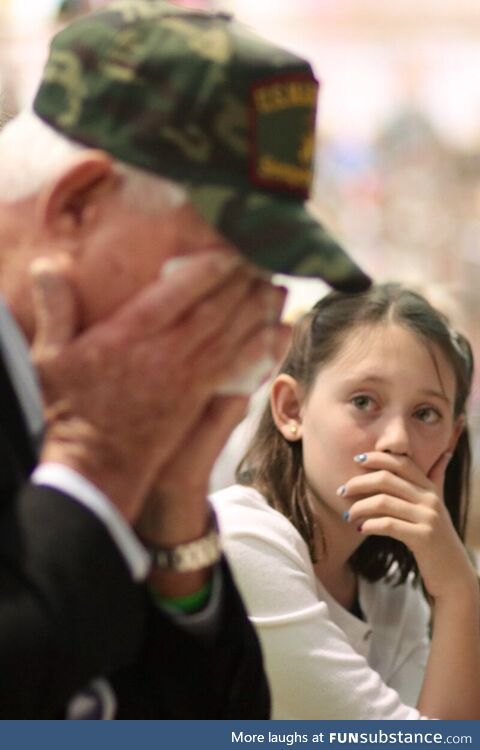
<point x="122" y="396"/>
<point x="177" y="510"/>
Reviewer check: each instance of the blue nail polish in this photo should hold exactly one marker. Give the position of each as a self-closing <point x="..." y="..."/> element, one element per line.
<point x="341" y="490"/>
<point x="346" y="515"/>
<point x="360" y="458"/>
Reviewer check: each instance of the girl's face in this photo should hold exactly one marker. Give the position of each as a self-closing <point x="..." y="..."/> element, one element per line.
<point x="384" y="391"/>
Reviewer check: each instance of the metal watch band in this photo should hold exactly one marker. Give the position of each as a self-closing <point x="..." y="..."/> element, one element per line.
<point x="191" y="556"/>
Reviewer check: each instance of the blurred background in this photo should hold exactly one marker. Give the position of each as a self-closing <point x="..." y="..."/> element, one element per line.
<point x="398" y="157"/>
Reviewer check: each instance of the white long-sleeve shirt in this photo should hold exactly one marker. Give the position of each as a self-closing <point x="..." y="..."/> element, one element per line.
<point x="322" y="662"/>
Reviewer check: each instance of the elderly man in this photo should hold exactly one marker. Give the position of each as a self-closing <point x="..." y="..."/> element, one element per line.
<point x="167" y="158"/>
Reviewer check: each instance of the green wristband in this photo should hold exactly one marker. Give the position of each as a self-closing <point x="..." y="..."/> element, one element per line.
<point x="188" y="604"/>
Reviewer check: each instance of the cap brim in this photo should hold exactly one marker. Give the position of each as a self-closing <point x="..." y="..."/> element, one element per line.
<point x="278" y="234"/>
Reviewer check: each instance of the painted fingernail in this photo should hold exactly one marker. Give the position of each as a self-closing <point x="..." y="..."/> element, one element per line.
<point x="346" y="515"/>
<point x="360" y="458"/>
<point x="342" y="490"/>
<point x="359" y="527"/>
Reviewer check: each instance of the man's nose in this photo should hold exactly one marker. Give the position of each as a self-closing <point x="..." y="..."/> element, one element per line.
<point x="394" y="437"/>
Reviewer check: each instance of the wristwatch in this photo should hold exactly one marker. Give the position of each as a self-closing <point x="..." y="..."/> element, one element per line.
<point x="190" y="556"/>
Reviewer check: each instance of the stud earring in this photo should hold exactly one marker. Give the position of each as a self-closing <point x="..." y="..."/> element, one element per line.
<point x="293" y="429"/>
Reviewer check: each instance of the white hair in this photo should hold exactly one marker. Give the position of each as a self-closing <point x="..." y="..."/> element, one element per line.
<point x="32" y="154"/>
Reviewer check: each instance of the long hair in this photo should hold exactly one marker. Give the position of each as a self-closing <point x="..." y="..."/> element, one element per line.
<point x="274" y="465"/>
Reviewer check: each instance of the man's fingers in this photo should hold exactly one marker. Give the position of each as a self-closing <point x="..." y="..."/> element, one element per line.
<point x="214" y="428"/>
<point x="252" y="363"/>
<point x="281" y="342"/>
<point x="236" y="310"/>
<point x="55" y="308"/>
<point x="194" y="458"/>
<point x="170" y="298"/>
<point x="213" y="314"/>
<point x="262" y="306"/>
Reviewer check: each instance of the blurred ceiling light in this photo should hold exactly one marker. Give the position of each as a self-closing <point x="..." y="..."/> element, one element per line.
<point x="23" y="15"/>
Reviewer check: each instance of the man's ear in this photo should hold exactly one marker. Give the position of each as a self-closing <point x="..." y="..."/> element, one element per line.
<point x="286" y="403"/>
<point x="69" y="204"/>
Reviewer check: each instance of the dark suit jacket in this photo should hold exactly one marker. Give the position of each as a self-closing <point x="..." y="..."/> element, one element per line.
<point x="70" y="612"/>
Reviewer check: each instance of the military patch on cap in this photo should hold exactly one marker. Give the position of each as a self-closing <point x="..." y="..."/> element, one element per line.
<point x="279" y="105"/>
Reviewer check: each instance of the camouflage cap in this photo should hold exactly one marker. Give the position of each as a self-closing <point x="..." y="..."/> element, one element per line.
<point x="200" y="99"/>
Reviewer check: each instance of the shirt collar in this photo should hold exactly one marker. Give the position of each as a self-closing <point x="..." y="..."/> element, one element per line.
<point x="14" y="347"/>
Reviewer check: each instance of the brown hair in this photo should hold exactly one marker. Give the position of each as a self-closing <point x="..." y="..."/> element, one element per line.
<point x="274" y="465"/>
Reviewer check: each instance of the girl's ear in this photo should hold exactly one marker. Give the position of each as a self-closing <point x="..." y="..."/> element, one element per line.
<point x="456" y="432"/>
<point x="286" y="403"/>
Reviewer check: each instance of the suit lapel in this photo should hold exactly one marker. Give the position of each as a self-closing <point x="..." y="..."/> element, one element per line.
<point x="16" y="443"/>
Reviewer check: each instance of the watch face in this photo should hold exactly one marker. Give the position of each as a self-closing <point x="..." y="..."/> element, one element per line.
<point x="192" y="556"/>
<point x="198" y="554"/>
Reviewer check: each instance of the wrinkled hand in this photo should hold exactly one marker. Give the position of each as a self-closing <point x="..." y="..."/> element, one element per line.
<point x="121" y="396"/>
<point x="176" y="510"/>
<point x="399" y="501"/>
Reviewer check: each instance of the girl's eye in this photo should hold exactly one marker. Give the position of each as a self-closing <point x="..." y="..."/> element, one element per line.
<point x="428" y="414"/>
<point x="362" y="402"/>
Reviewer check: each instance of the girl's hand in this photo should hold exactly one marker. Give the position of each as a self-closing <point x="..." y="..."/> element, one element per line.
<point x="400" y="501"/>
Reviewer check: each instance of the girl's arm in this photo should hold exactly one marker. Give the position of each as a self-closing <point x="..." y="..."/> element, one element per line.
<point x="451" y="688"/>
<point x="313" y="669"/>
<point x="399" y="501"/>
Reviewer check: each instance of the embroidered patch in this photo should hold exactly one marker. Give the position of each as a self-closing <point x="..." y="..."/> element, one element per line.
<point x="279" y="106"/>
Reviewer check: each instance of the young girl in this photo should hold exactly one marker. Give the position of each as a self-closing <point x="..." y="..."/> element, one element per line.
<point x="353" y="498"/>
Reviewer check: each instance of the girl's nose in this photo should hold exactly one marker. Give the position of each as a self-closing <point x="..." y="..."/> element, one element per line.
<point x="394" y="437"/>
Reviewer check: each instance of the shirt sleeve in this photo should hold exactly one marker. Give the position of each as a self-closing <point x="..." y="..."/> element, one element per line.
<point x="79" y="489"/>
<point x="204" y="623"/>
<point x="410" y="642"/>
<point x="314" y="671"/>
